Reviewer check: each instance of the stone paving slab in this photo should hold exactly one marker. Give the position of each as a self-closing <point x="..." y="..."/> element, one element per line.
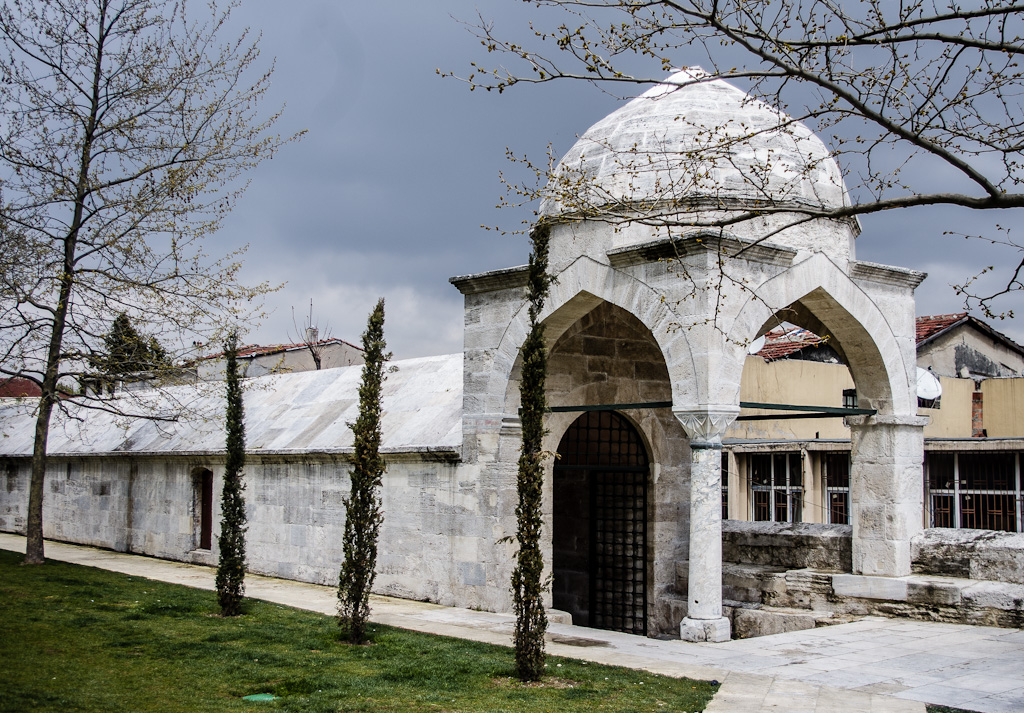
<point x="872" y="665"/>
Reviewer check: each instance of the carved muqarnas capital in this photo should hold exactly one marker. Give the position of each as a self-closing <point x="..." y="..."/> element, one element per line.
<point x="705" y="426"/>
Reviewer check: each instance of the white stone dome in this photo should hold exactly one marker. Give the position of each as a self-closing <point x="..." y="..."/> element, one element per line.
<point x="689" y="144"/>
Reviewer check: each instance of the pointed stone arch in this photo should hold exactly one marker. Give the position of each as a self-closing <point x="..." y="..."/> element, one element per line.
<point x="879" y="348"/>
<point x="818" y="293"/>
<point x="576" y="290"/>
<point x="608" y="356"/>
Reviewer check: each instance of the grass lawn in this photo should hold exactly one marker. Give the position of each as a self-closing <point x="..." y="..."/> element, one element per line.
<point x="81" y="639"/>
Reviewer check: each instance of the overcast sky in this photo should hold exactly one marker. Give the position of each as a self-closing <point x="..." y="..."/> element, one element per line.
<point x="386" y="193"/>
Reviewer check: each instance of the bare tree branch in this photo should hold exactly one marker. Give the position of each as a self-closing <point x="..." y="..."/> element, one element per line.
<point x="899" y="93"/>
<point x="128" y="125"/>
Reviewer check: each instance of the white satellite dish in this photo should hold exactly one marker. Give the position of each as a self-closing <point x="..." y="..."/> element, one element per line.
<point x="928" y="387"/>
<point x="755" y="346"/>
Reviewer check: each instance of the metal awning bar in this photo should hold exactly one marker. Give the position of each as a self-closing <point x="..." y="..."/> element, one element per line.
<point x="805" y="411"/>
<point x="788" y="416"/>
<point x="610" y="407"/>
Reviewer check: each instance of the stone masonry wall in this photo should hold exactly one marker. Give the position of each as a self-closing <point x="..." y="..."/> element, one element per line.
<point x="971" y="554"/>
<point x="434" y="539"/>
<point x="790" y="545"/>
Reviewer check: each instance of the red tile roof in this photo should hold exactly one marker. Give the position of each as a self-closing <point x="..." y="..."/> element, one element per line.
<point x="930" y="326"/>
<point x="781" y="343"/>
<point x="16" y="386"/>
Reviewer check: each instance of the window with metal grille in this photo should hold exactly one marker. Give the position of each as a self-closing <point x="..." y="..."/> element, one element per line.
<point x="776" y="484"/>
<point x="836" y="474"/>
<point x="974" y="490"/>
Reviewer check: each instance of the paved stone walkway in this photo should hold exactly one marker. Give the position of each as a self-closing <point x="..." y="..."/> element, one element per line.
<point x="868" y="666"/>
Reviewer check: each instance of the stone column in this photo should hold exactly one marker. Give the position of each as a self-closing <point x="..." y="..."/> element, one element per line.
<point x="886" y="491"/>
<point x="815" y="502"/>
<point x="704" y="620"/>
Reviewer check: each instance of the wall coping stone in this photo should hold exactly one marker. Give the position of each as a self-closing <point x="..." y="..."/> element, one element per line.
<point x="886" y="274"/>
<point x="491" y="281"/>
<point x="787" y="528"/>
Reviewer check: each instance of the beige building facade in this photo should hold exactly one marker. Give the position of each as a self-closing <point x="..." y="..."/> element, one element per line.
<point x="798" y="469"/>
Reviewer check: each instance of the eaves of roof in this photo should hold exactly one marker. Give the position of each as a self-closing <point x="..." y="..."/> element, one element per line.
<point x="953" y="321"/>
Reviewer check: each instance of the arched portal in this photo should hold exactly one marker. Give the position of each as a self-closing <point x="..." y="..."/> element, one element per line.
<point x="599" y="548"/>
<point x="884" y="498"/>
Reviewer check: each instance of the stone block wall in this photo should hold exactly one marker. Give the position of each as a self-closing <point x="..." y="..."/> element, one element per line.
<point x="438" y="538"/>
<point x="787" y="545"/>
<point x="970" y="554"/>
<point x="778" y="575"/>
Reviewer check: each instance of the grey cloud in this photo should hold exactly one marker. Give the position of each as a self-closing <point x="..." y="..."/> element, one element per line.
<point x="387" y="192"/>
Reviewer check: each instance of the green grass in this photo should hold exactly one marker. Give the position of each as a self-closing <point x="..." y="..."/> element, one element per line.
<point x="81" y="639"/>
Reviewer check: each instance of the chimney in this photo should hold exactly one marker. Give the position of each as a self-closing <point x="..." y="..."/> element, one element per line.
<point x="977" y="414"/>
<point x="311" y="335"/>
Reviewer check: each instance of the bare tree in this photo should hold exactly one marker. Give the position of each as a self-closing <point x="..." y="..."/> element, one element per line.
<point x="919" y="102"/>
<point x="311" y="336"/>
<point x="125" y="126"/>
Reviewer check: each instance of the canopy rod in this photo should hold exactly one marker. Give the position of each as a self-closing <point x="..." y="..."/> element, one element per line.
<point x="805" y="411"/>
<point x="610" y="407"/>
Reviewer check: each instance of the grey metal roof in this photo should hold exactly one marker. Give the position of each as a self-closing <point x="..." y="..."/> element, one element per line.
<point x="304" y="412"/>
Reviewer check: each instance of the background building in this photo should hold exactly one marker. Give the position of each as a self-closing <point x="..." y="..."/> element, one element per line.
<point x="798" y="469"/>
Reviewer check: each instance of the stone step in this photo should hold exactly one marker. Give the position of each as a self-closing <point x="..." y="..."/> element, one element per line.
<point x="752" y="620"/>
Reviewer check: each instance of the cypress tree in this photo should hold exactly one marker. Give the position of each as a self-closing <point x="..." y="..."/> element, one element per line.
<point x="527" y="588"/>
<point x="231" y="565"/>
<point x="363" y="514"/>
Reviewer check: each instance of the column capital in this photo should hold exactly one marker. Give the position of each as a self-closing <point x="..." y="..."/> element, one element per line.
<point x="706" y="425"/>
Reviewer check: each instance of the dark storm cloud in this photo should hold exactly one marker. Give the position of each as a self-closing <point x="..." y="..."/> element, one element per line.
<point x="386" y="194"/>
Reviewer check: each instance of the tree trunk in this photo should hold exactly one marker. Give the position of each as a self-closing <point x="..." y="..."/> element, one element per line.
<point x="34" y="528"/>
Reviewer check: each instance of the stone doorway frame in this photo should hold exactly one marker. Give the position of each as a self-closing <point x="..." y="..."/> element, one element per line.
<point x="615" y="562"/>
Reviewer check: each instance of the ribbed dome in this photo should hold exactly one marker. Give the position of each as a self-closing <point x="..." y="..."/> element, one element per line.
<point x="690" y="144"/>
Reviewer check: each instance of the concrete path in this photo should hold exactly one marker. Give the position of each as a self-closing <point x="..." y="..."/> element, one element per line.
<point x="868" y="666"/>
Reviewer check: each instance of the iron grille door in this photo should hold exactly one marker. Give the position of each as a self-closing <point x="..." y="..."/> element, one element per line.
<point x="600" y="523"/>
<point x="618" y="578"/>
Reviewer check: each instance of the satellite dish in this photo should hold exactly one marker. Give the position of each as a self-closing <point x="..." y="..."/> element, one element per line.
<point x="928" y="387"/>
<point x="757" y="345"/>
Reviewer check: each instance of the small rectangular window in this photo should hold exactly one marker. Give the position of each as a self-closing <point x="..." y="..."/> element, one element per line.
<point x="974" y="490"/>
<point x="849" y="398"/>
<point x="836" y="467"/>
<point x="725" y="486"/>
